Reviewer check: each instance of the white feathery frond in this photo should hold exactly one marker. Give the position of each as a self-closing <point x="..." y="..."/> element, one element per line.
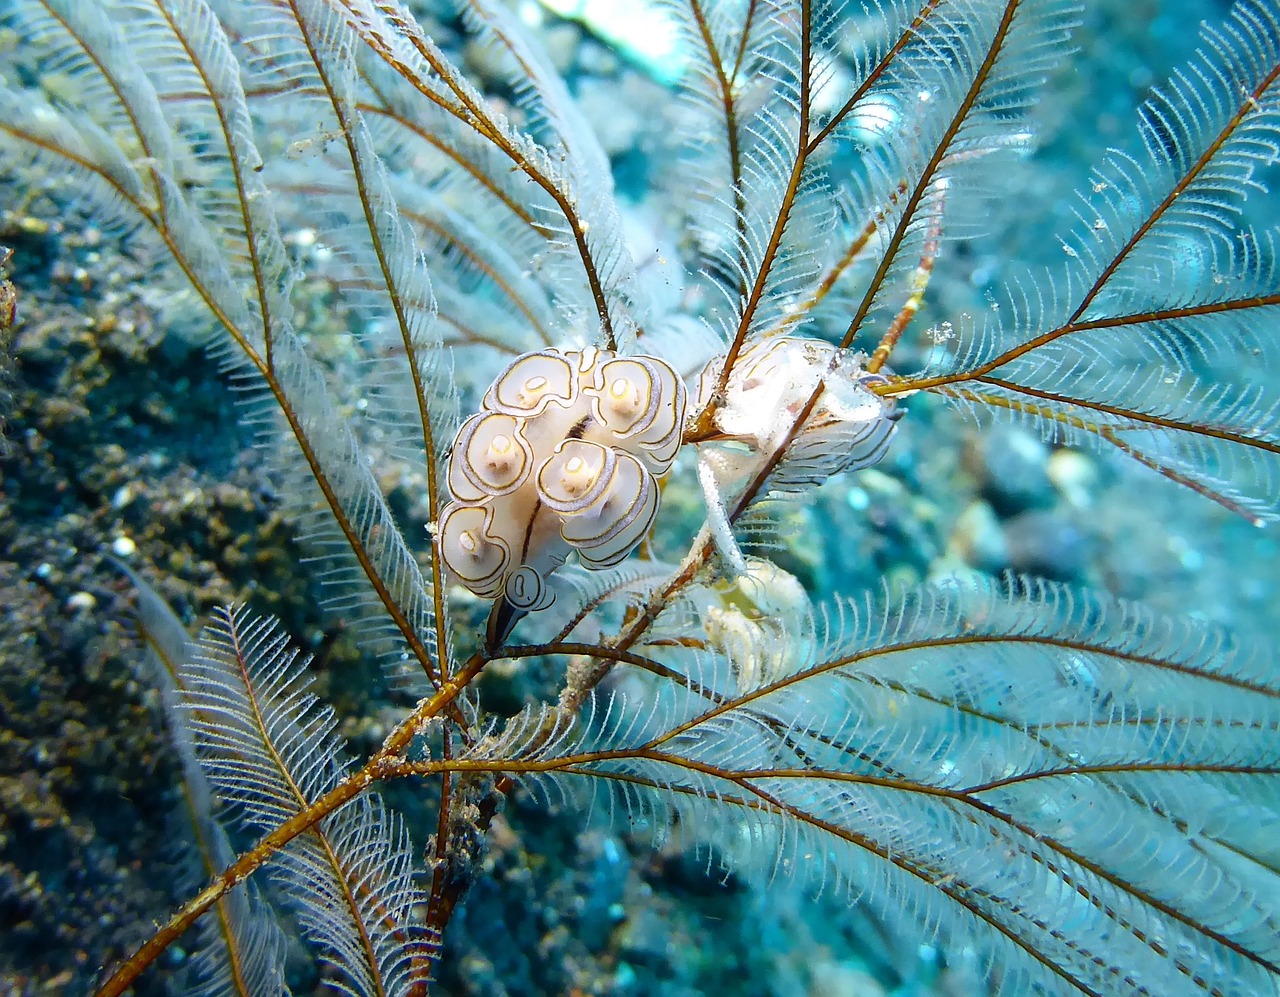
<point x="593" y="273"/>
<point x="270" y="750"/>
<point x="225" y="238"/>
<point x="393" y="298"/>
<point x="1154" y="338"/>
<point x="964" y="749"/>
<point x="560" y="126"/>
<point x="242" y="948"/>
<point x="957" y="102"/>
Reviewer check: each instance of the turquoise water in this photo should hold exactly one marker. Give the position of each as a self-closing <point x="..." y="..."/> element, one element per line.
<point x="123" y="445"/>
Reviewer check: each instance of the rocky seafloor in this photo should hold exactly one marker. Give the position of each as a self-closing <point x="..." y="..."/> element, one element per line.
<point x="122" y="444"/>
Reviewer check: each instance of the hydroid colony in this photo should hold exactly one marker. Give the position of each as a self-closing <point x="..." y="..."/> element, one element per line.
<point x="1077" y="792"/>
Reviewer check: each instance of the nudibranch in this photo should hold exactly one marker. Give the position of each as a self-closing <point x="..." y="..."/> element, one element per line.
<point x="772" y="385"/>
<point x="564" y="455"/>
<point x="850" y="426"/>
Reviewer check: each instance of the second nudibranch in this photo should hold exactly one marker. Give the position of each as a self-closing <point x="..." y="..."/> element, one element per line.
<point x="563" y="455"/>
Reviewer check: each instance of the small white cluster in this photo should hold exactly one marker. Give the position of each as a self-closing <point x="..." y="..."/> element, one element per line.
<point x="563" y="455"/>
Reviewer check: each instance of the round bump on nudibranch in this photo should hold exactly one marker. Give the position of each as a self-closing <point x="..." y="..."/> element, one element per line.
<point x="626" y="397"/>
<point x="641" y="401"/>
<point x="471" y="552"/>
<point x="490" y="457"/>
<point x="576" y="475"/>
<point x="605" y="531"/>
<point x="531" y="383"/>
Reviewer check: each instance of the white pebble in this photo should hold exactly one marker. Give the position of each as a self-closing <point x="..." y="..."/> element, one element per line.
<point x="82" y="602"/>
<point x="1074" y="475"/>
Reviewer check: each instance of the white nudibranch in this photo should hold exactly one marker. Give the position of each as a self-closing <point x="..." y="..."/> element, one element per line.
<point x="849" y="427"/>
<point x="563" y="456"/>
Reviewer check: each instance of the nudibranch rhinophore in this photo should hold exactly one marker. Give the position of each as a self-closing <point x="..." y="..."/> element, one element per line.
<point x="563" y="455"/>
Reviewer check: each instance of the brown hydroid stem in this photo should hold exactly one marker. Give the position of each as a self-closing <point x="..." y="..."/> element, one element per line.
<point x="387" y="763"/>
<point x="240" y="870"/>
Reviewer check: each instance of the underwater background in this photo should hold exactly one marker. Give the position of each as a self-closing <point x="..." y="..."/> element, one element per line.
<point x="122" y="443"/>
